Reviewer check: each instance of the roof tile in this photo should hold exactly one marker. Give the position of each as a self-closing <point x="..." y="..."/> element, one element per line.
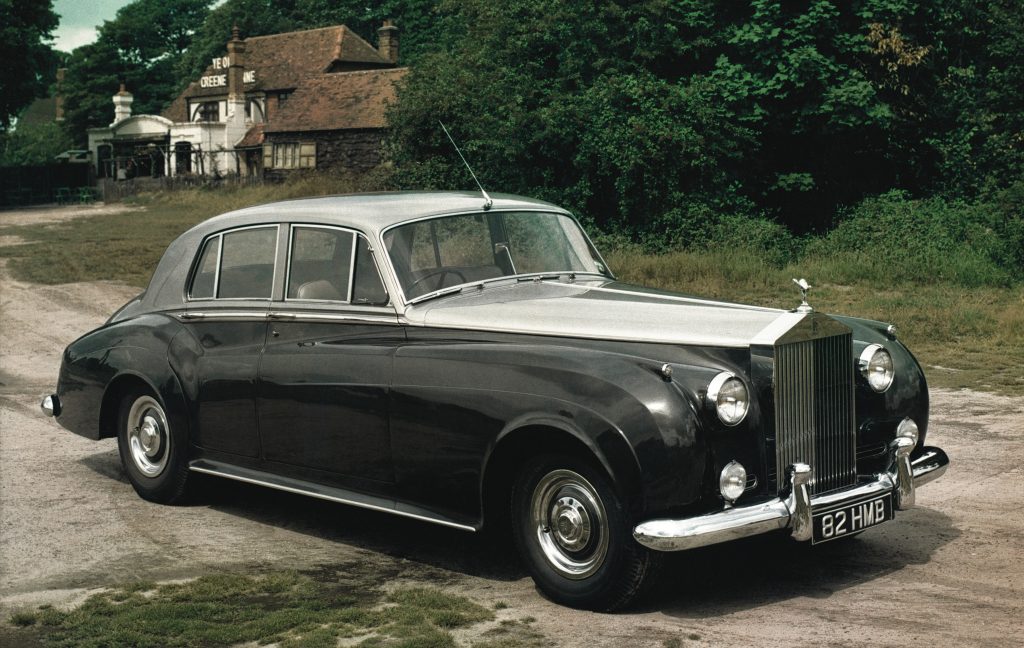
<point x="339" y="100"/>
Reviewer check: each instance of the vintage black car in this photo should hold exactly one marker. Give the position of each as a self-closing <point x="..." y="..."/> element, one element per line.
<point x="470" y="363"/>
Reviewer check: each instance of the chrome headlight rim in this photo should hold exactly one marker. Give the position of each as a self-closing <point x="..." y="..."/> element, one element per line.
<point x="732" y="481"/>
<point x="867" y="360"/>
<point x="714" y="391"/>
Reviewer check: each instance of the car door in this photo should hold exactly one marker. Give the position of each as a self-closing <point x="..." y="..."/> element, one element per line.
<point x="229" y="297"/>
<point x="326" y="370"/>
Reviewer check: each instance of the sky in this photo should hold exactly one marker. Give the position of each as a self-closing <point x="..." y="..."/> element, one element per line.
<point x="80" y="18"/>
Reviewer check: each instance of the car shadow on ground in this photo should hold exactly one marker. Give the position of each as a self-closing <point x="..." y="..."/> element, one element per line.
<point x="427" y="547"/>
<point x="704" y="582"/>
<point x="761" y="570"/>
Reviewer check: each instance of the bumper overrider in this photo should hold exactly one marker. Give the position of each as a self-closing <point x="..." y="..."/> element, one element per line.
<point x="795" y="509"/>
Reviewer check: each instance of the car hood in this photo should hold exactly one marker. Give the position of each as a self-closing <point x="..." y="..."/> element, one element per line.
<point x="597" y="310"/>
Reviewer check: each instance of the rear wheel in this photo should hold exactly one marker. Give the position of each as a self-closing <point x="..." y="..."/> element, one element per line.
<point x="573" y="533"/>
<point x="153" y="455"/>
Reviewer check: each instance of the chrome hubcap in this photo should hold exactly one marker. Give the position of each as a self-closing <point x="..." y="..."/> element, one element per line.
<point x="149" y="440"/>
<point x="570" y="524"/>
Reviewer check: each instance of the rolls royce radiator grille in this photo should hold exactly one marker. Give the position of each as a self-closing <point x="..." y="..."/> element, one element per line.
<point x="814" y="412"/>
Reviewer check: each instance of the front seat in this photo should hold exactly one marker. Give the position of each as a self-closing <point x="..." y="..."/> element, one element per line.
<point x="319" y="289"/>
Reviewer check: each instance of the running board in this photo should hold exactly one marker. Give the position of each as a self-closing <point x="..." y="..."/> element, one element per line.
<point x="319" y="491"/>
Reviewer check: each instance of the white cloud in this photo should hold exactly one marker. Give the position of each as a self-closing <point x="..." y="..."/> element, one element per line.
<point x="68" y="38"/>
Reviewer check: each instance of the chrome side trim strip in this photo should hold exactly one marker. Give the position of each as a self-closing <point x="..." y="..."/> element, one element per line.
<point x="291" y="317"/>
<point x="330" y="317"/>
<point x="318" y="491"/>
<point x="215" y="315"/>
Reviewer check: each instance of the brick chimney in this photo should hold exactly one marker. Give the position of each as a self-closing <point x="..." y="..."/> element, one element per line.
<point x="122" y="105"/>
<point x="236" y="66"/>
<point x="58" y="98"/>
<point x="388" y="41"/>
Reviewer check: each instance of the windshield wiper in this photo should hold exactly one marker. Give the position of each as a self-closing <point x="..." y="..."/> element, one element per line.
<point x="452" y="290"/>
<point x="539" y="277"/>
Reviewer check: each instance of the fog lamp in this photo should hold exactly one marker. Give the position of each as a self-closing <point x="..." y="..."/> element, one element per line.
<point x="732" y="481"/>
<point x="728" y="395"/>
<point x="908" y="429"/>
<point x="876" y="366"/>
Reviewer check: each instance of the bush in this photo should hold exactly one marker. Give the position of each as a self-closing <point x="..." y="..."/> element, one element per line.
<point x="893" y="237"/>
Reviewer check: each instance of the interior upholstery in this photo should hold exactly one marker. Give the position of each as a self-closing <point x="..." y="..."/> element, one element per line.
<point x="319" y="289"/>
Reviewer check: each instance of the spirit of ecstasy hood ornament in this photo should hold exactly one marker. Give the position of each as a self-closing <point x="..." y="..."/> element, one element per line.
<point x="804" y="307"/>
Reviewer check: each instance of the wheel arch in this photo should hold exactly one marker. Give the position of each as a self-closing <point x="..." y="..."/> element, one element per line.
<point x="122" y="384"/>
<point x="519" y="443"/>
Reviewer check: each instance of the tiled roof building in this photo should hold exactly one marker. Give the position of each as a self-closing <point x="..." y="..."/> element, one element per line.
<point x="306" y="99"/>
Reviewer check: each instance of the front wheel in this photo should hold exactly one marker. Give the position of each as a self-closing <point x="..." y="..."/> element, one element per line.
<point x="153" y="455"/>
<point x="573" y="534"/>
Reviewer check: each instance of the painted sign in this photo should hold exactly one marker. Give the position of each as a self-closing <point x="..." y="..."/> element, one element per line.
<point x="221" y="80"/>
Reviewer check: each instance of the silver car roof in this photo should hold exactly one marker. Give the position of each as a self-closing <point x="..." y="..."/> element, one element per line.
<point x="372" y="212"/>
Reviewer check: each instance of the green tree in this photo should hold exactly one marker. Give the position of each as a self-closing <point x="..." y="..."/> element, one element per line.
<point x="139" y="47"/>
<point x="584" y="104"/>
<point x="33" y="144"/>
<point x="26" y="27"/>
<point x="253" y="18"/>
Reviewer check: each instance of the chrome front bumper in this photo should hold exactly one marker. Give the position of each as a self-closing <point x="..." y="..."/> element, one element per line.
<point x="794" y="510"/>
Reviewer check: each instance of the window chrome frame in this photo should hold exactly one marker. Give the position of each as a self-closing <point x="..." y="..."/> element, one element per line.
<point x="220" y="254"/>
<point x="351" y="264"/>
<point x="404" y="301"/>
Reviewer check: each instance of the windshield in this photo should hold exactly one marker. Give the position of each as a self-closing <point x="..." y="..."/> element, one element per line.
<point x="438" y="253"/>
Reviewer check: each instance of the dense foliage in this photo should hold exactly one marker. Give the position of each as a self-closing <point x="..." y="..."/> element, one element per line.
<point x="33" y="144"/>
<point x="26" y="26"/>
<point x="653" y="117"/>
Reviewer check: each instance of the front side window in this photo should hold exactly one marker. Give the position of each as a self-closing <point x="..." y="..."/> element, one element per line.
<point x="321" y="263"/>
<point x="237" y="265"/>
<point x="331" y="264"/>
<point x="438" y="253"/>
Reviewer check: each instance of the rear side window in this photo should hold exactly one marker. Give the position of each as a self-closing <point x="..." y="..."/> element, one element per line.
<point x="206" y="274"/>
<point x="237" y="265"/>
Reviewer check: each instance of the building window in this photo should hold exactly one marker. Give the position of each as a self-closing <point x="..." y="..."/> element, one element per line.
<point x="254" y="110"/>
<point x="290" y="155"/>
<point x="286" y="156"/>
<point x="283" y="97"/>
<point x="209" y="111"/>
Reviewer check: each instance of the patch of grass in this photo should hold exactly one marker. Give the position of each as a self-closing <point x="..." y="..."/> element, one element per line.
<point x="288" y="608"/>
<point x="23" y="619"/>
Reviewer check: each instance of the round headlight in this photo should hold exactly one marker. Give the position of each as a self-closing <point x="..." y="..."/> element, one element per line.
<point x="876" y="367"/>
<point x="728" y="395"/>
<point x="732" y="481"/>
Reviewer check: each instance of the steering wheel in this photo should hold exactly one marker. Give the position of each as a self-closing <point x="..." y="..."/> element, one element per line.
<point x="441" y="273"/>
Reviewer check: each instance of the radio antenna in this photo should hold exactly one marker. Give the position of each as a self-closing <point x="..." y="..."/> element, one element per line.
<point x="487" y="199"/>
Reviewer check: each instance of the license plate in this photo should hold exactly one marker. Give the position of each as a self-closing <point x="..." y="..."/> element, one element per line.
<point x="842" y="520"/>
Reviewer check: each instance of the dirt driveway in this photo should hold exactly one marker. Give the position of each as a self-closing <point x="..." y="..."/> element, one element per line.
<point x="950" y="572"/>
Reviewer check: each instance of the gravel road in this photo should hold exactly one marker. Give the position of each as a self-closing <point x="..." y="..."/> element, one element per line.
<point x="949" y="572"/>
